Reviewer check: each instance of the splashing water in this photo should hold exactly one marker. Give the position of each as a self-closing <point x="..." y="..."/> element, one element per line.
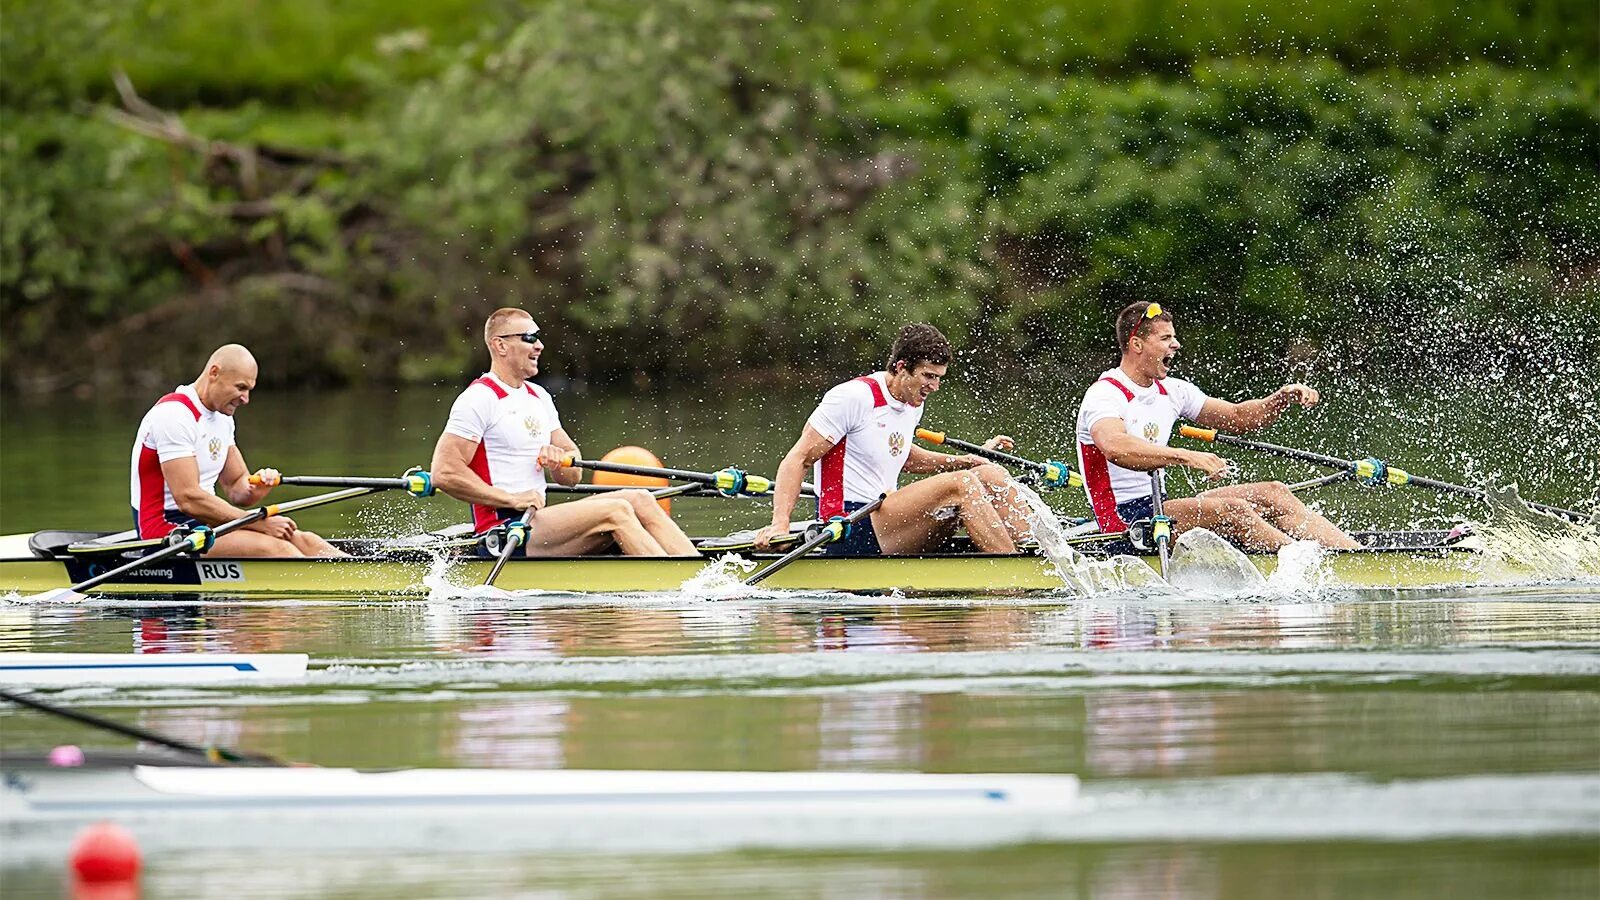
<point x="1080" y="574"/>
<point x="1205" y="561"/>
<point x="1519" y="544"/>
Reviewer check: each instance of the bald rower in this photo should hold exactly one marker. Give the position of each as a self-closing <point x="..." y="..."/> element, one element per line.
<point x="185" y="445"/>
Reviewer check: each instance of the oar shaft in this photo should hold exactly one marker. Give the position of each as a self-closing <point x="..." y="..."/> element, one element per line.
<point x="826" y="535"/>
<point x="249" y="518"/>
<point x="338" y="481"/>
<point x="596" y="465"/>
<point x="1371" y="469"/>
<point x="132" y="731"/>
<point x="1053" y="477"/>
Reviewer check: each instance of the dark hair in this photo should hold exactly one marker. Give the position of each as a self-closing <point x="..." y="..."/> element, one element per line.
<point x="919" y="343"/>
<point x="1132" y="318"/>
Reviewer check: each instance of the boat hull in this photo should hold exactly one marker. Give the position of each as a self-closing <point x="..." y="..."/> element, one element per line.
<point x="965" y="573"/>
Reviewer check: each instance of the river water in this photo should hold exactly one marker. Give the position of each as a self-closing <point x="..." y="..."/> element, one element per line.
<point x="1291" y="743"/>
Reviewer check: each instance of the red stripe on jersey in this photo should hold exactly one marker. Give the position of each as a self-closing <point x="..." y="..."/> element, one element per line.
<point x="1097" y="478"/>
<point x="488" y="382"/>
<point x="1121" y="387"/>
<point x="531" y="391"/>
<point x="153" y="485"/>
<point x="483" y="517"/>
<point x="878" y="399"/>
<point x="1161" y="387"/>
<point x="830" y="493"/>
<point x="152" y="496"/>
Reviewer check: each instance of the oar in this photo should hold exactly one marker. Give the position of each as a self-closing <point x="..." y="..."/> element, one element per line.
<point x="1160" y="525"/>
<point x="1370" y="470"/>
<point x="200" y="539"/>
<point x="832" y="530"/>
<point x="215" y="754"/>
<point x="729" y="482"/>
<point x="516" y="536"/>
<point x="662" y="493"/>
<point x="416" y="482"/>
<point x="1054" y="473"/>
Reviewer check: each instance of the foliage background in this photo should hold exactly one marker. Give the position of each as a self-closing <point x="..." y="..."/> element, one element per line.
<point x="683" y="190"/>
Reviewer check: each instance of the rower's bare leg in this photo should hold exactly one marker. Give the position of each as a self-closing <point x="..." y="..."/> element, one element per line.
<point x="312" y="544"/>
<point x="660" y="525"/>
<point x="1232" y="517"/>
<point x="1003" y="496"/>
<point x="247" y="544"/>
<point x="587" y="526"/>
<point x="905" y="522"/>
<point x="1288" y="513"/>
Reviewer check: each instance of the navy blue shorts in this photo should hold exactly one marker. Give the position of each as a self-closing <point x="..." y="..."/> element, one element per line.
<point x="176" y="517"/>
<point x="1137" y="508"/>
<point x="860" y="541"/>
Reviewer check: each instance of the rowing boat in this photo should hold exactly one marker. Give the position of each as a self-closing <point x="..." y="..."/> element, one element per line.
<point x="45" y="561"/>
<point x="40" y="669"/>
<point x="36" y="791"/>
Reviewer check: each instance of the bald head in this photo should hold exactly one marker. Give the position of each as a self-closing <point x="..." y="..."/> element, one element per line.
<point x="231" y="359"/>
<point x="229" y="376"/>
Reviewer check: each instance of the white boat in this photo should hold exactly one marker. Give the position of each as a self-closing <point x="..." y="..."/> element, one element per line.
<point x="34" y="792"/>
<point x="53" y="669"/>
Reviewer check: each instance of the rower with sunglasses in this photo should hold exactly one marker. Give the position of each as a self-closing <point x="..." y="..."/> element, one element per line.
<point x="502" y="444"/>
<point x="1124" y="424"/>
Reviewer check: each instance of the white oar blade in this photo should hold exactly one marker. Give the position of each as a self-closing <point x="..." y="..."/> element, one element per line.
<point x="59" y="595"/>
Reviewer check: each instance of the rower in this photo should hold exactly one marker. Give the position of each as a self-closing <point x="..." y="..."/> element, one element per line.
<point x="502" y="444"/>
<point x="185" y="446"/>
<point x="859" y="439"/>
<point x="1126" y="420"/>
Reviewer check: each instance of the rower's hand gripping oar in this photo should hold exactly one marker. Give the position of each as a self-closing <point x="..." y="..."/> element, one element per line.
<point x="214" y="754"/>
<point x="415" y="482"/>
<point x="1370" y="471"/>
<point x="203" y="537"/>
<point x="1051" y="472"/>
<point x="516" y="535"/>
<point x="834" y="529"/>
<point x="729" y="482"/>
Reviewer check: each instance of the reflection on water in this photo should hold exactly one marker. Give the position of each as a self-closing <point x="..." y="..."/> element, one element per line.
<point x="1206" y="733"/>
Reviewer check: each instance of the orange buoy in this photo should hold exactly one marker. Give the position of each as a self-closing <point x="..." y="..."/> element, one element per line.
<point x="634" y="456"/>
<point x="104" y="853"/>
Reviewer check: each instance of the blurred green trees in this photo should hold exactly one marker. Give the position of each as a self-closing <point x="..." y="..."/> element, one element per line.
<point x="684" y="189"/>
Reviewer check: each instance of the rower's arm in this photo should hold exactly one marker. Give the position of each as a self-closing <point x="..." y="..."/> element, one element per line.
<point x="235" y="481"/>
<point x="567" y="475"/>
<point x="811" y="446"/>
<point x="183" y="479"/>
<point x="1254" y="415"/>
<point x="1136" y="453"/>
<point x="921" y="461"/>
<point x="452" y="473"/>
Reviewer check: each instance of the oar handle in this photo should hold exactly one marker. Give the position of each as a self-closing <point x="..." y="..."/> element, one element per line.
<point x="833" y="530"/>
<point x="1056" y="474"/>
<point x="416" y="482"/>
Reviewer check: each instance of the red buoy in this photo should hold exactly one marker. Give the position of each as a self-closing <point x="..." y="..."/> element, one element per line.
<point x="105" y="852"/>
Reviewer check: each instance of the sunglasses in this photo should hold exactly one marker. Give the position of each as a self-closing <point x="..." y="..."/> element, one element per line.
<point x="528" y="337"/>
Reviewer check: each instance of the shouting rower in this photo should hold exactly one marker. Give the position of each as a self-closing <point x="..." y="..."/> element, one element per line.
<point x="504" y="441"/>
<point x="1126" y="421"/>
<point x="185" y="446"/>
<point x="859" y="439"/>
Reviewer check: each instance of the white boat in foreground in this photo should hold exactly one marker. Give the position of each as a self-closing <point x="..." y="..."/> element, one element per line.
<point x="36" y="792"/>
<point x="53" y="669"/>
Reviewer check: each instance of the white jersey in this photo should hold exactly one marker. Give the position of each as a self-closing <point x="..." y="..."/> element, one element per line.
<point x="872" y="434"/>
<point x="178" y="425"/>
<point x="510" y="426"/>
<point x="1146" y="412"/>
